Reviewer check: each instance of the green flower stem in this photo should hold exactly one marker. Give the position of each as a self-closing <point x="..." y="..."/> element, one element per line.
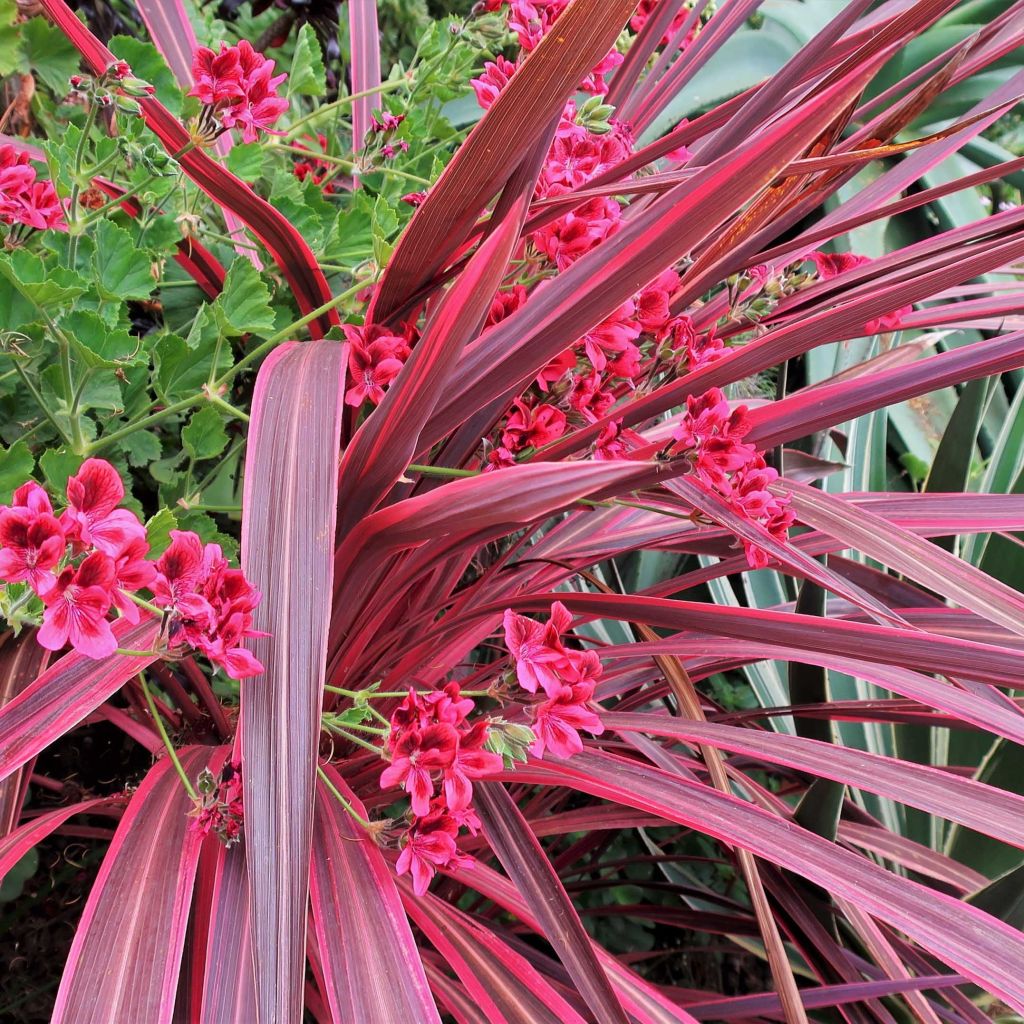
<point x="235" y="413"/>
<point x="143" y="603"/>
<point x="350" y="810"/>
<point x="352" y="165"/>
<point x="144" y="422"/>
<point x="171" y="753"/>
<point x="76" y="186"/>
<point x="127" y="652"/>
<point x="339" y="104"/>
<point x="352" y="738"/>
<point x="27" y="381"/>
<point x="135" y="189"/>
<point x="370" y="694"/>
<point x="372" y="729"/>
<point x="199" y="507"/>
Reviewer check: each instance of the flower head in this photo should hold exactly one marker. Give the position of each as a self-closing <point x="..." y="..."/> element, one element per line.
<point x="77" y="606"/>
<point x="92" y="518"/>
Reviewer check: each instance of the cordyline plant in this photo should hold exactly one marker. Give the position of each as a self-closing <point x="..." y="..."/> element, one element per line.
<point x="450" y="705"/>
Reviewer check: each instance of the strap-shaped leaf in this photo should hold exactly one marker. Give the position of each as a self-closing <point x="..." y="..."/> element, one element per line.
<point x="372" y="971"/>
<point x="290" y="499"/>
<point x="124" y="961"/>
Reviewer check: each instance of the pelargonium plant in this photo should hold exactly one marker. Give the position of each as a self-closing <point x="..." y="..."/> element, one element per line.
<point x="459" y="354"/>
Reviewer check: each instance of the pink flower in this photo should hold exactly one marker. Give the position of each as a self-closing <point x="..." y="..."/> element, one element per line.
<point x="259" y="109"/>
<point x="495" y="77"/>
<point x="471" y="762"/>
<point x="537" y="647"/>
<point x="237" y="86"/>
<point x="505" y="303"/>
<point x="429" y="845"/>
<point x="712" y="434"/>
<point x="76" y="608"/>
<point x="609" y="444"/>
<point x="132" y="572"/>
<point x="652" y="310"/>
<point x="33" y="497"/>
<point x="33" y="543"/>
<point x="532" y="428"/>
<point x="646" y="8"/>
<point x="372" y="369"/>
<point x="697" y="350"/>
<point x="92" y="518"/>
<point x="612" y="337"/>
<point x="417" y="756"/>
<point x="590" y="396"/>
<point x="832" y="264"/>
<point x="217" y="76"/>
<point x="24" y="199"/>
<point x="567" y="239"/>
<point x="499" y="458"/>
<point x="556" y="369"/>
<point x="557" y="721"/>
<point x="750" y="495"/>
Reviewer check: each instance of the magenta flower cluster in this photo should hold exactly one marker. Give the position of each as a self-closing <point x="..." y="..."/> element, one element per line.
<point x="87" y="563"/>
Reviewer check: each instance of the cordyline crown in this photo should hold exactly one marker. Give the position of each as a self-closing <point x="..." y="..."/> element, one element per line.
<point x="461" y="724"/>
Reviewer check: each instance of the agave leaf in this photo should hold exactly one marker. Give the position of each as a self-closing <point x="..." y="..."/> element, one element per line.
<point x="290" y="497"/>
<point x="528" y="866"/>
<point x="124" y="961"/>
<point x="65" y="693"/>
<point x="373" y="975"/>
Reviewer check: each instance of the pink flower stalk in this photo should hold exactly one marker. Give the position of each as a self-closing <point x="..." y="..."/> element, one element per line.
<point x="92" y="518"/>
<point x="77" y="606"/>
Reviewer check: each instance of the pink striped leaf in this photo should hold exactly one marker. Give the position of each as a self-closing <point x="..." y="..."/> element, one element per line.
<point x="290" y="498"/>
<point x="16" y="843"/>
<point x="526" y="863"/>
<point x="976" y="944"/>
<point x="66" y="692"/>
<point x="500" y="979"/>
<point x="124" y="961"/>
<point x="987" y="809"/>
<point x="492" y="151"/>
<point x="364" y="42"/>
<point x="371" y="974"/>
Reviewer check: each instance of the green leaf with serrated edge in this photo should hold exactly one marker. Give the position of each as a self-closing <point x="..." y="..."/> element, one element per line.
<point x="181" y="371"/>
<point x="205" y="436"/>
<point x="158" y="531"/>
<point x="16" y="465"/>
<point x="243" y="306"/>
<point x="15" y="310"/>
<point x="246" y="160"/>
<point x="57" y="465"/>
<point x="47" y="288"/>
<point x="141" y="448"/>
<point x="148" y="64"/>
<point x="122" y="271"/>
<point x="307" y="75"/>
<point x="48" y="54"/>
<point x="97" y="344"/>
